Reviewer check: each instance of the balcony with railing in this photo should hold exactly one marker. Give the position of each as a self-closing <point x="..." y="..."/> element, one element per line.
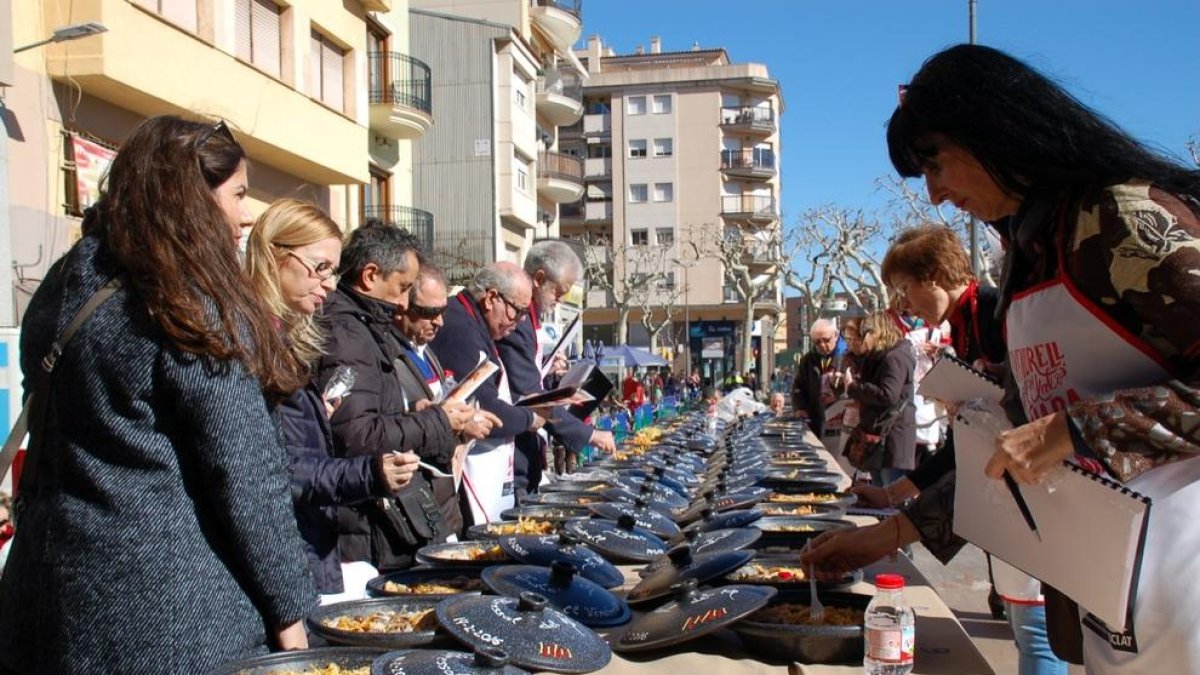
<point x="401" y="95"/>
<point x="560" y="177"/>
<point x="560" y="97"/>
<point x="748" y="120"/>
<point x="560" y="20"/>
<point x="756" y="208"/>
<point x="753" y="163"/>
<point x="416" y="221"/>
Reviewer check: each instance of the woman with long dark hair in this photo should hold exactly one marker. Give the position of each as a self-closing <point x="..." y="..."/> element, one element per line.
<point x="154" y="525"/>
<point x="1100" y="297"/>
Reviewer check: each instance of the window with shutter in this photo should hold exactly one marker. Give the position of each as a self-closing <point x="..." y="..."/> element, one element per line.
<point x="264" y="36"/>
<point x="328" y="63"/>
<point x="241" y="29"/>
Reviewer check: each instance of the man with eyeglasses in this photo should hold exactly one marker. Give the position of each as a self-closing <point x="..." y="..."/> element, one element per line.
<point x="812" y="391"/>
<point x="552" y="267"/>
<point x="487" y="310"/>
<point x="378" y="268"/>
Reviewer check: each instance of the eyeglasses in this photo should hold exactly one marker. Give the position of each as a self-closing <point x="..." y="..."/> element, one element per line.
<point x="521" y="313"/>
<point x="218" y="128"/>
<point x="422" y="312"/>
<point x="323" y="270"/>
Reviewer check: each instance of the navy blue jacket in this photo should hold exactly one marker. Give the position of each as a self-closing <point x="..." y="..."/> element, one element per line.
<point x="458" y="344"/>
<point x="518" y="352"/>
<point x="321" y="482"/>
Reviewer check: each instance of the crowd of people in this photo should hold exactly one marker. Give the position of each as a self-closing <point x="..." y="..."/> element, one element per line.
<point x="218" y="442"/>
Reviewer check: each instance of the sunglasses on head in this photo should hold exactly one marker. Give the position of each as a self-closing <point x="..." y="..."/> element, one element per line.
<point x="218" y="128"/>
<point x="422" y="312"/>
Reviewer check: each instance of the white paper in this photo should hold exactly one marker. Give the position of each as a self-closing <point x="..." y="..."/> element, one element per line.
<point x="953" y="381"/>
<point x="567" y="338"/>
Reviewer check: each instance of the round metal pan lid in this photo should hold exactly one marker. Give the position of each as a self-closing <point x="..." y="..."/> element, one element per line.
<point x="462" y="554"/>
<point x="726" y="520"/>
<point x="647" y="518"/>
<point x="634" y="480"/>
<point x="535" y="635"/>
<point x="620" y="540"/>
<point x="443" y="662"/>
<point x="738" y="500"/>
<point x="709" y="542"/>
<point x="549" y="512"/>
<point x="544" y="551"/>
<point x="692" y="614"/>
<point x="581" y="599"/>
<point x="665" y="501"/>
<point x="684" y="565"/>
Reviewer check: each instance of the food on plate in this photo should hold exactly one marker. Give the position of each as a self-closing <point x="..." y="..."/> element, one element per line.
<point x="793" y="510"/>
<point x="476" y="553"/>
<point x="786" y="528"/>
<point x="795" y="614"/>
<point x="439" y="587"/>
<point x="805" y="497"/>
<point x="763" y="573"/>
<point x="384" y="621"/>
<point x="522" y="525"/>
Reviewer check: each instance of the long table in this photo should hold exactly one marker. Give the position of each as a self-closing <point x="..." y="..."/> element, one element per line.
<point x="943" y="647"/>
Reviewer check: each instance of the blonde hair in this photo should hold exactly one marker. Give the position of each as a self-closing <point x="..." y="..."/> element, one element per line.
<point x="287" y="224"/>
<point x="883" y="326"/>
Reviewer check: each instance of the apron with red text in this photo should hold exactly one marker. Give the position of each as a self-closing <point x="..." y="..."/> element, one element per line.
<point x="1062" y="349"/>
<point x="488" y="470"/>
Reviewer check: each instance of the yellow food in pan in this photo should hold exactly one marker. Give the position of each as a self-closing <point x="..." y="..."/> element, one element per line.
<point x="798" y="615"/>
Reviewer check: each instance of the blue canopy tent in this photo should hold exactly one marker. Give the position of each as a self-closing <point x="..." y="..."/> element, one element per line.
<point x="634" y="357"/>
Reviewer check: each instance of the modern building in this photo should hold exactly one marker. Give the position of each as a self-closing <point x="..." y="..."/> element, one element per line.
<point x="490" y="168"/>
<point x="323" y="95"/>
<point x="679" y="147"/>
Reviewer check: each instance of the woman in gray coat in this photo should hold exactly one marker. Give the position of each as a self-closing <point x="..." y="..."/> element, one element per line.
<point x="155" y="534"/>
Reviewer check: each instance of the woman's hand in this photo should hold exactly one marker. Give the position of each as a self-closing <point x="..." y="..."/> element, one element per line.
<point x="291" y="637"/>
<point x="1030" y="451"/>
<point x="397" y="468"/>
<point x="871" y="496"/>
<point x="835" y="553"/>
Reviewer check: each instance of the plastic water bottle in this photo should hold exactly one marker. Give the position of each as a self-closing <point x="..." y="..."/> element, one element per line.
<point x="888" y="631"/>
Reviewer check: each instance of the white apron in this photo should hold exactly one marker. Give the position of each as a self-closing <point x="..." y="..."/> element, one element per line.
<point x="1062" y="349"/>
<point x="488" y="470"/>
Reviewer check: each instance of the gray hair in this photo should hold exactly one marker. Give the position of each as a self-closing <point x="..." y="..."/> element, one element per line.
<point x="502" y="277"/>
<point x="555" y="258"/>
<point x="821" y="325"/>
<point x="385" y="246"/>
<point x="428" y="272"/>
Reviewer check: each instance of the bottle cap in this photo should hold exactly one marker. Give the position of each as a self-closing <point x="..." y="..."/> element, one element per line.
<point x="889" y="581"/>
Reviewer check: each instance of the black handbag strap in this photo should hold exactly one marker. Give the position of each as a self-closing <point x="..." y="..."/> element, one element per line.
<point x="33" y="413"/>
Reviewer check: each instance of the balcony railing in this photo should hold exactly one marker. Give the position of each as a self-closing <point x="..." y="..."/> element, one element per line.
<point x="573" y="6"/>
<point x="755" y="205"/>
<point x="416" y="221"/>
<point x="400" y="80"/>
<point x="560" y="166"/>
<point x="748" y="116"/>
<point x="752" y="159"/>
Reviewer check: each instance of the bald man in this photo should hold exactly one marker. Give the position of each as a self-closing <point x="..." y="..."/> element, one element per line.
<point x="811" y="390"/>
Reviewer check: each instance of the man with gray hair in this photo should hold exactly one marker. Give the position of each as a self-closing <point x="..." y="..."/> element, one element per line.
<point x="487" y="310"/>
<point x="553" y="267"/>
<point x="379" y="264"/>
<point x="812" y="390"/>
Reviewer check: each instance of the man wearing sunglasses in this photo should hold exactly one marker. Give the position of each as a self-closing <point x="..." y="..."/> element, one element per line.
<point x="553" y="267"/>
<point x="487" y="310"/>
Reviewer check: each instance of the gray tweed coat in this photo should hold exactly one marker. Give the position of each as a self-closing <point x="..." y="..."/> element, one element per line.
<point x="162" y="538"/>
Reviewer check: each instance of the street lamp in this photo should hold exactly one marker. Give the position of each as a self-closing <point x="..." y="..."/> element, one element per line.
<point x="66" y="34"/>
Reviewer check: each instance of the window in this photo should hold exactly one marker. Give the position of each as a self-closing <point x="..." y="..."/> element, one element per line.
<point x="637" y="148"/>
<point x="667" y="282"/>
<point x="664" y="192"/>
<point x="256" y="34"/>
<point x="663" y="147"/>
<point x="599" y="151"/>
<point x="662" y="104"/>
<point x="639" y="237"/>
<point x="638" y="193"/>
<point x="519" y="96"/>
<point x="636" y="105"/>
<point x="377" y="65"/>
<point x="182" y="13"/>
<point x="376" y="195"/>
<point x="665" y="236"/>
<point x="522" y="178"/>
<point x="328" y="63"/>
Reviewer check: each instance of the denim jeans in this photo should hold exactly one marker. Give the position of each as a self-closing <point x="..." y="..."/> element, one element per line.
<point x="1034" y="656"/>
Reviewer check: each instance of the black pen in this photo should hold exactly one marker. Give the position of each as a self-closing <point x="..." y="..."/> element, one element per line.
<point x="1016" y="493"/>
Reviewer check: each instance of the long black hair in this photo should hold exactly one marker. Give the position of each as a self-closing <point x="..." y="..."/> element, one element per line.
<point x="1030" y="135"/>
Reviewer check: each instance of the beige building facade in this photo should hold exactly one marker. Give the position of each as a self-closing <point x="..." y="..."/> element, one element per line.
<point x="679" y="147"/>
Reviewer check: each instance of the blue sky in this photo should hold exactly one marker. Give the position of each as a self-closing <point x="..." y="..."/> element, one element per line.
<point x="839" y="61"/>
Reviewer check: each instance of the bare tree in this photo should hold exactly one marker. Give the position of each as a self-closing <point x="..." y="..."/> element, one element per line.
<point x="842" y="249"/>
<point x="459" y="267"/>
<point x="626" y="273"/>
<point x="1193" y="148"/>
<point x="909" y="207"/>
<point x="659" y="305"/>
<point x="754" y="263"/>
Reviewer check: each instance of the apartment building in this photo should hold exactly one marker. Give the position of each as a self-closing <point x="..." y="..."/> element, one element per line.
<point x="323" y="95"/>
<point x="678" y="147"/>
<point x="490" y="168"/>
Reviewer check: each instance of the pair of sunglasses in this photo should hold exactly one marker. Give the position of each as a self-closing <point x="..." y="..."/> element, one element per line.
<point x="422" y="312"/>
<point x="218" y="128"/>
